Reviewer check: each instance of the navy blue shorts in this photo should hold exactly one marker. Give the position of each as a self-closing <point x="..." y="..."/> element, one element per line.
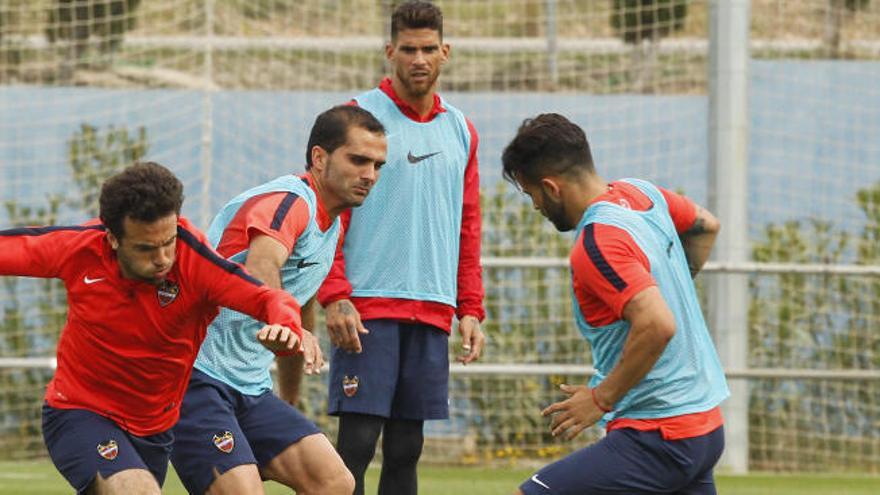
<point x="82" y="444"/>
<point x="634" y="462"/>
<point x="402" y="373"/>
<point x="221" y="428"/>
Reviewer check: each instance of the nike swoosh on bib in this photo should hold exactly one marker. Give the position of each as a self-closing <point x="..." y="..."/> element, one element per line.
<point x="539" y="482"/>
<point x="303" y="264"/>
<point x="416" y="159"/>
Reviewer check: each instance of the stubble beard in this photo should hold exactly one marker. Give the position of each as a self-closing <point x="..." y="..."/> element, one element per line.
<point x="348" y="197"/>
<point x="555" y="212"/>
<point x="418" y="91"/>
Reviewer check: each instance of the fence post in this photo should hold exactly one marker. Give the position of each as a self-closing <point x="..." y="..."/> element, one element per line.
<point x="207" y="137"/>
<point x="728" y="199"/>
<point x="552" y="43"/>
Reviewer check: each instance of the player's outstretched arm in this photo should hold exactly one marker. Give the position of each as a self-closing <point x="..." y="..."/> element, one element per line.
<point x="228" y="284"/>
<point x="698" y="240"/>
<point x="278" y="339"/>
<point x="36" y="251"/>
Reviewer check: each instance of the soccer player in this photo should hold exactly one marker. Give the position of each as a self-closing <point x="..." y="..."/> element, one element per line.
<point x="658" y="381"/>
<point x="409" y="263"/>
<point x="142" y="286"/>
<point x="233" y="431"/>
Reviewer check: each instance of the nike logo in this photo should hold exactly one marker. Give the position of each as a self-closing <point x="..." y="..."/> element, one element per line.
<point x="90" y="281"/>
<point x="536" y="480"/>
<point x="416" y="159"/>
<point x="303" y="264"/>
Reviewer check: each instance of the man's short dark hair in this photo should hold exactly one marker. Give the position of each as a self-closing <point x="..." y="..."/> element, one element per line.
<point x="145" y="192"/>
<point x="546" y="145"/>
<point x="416" y="15"/>
<point x="330" y="130"/>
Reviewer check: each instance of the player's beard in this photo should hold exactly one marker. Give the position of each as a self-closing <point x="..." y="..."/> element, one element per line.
<point x="418" y="90"/>
<point x="555" y="212"/>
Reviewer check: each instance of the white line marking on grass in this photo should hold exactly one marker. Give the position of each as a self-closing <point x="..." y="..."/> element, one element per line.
<point x="22" y="476"/>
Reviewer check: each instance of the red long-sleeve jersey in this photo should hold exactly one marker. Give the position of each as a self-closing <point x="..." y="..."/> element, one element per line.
<point x="127" y="349"/>
<point x="469" y="301"/>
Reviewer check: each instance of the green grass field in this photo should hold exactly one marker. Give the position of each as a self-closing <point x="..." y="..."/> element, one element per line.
<point x="32" y="478"/>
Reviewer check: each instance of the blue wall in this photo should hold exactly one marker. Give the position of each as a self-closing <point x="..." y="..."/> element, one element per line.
<point x="815" y="132"/>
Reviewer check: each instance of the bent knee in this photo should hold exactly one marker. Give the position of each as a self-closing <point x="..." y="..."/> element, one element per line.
<point x="402" y="454"/>
<point x="341" y="482"/>
<point x="241" y="479"/>
<point x="342" y="485"/>
<point x="126" y="482"/>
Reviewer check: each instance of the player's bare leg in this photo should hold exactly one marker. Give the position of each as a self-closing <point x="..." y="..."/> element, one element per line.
<point x="311" y="466"/>
<point x="126" y="482"/>
<point x="240" y="479"/>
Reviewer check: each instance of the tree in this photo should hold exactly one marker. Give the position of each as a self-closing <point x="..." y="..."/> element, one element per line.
<point x="94" y="157"/>
<point x="821" y="321"/>
<point x="506" y="409"/>
<point x="267" y="9"/>
<point x="12" y="50"/>
<point x="32" y="312"/>
<point x="29" y="308"/>
<point x="77" y="21"/>
<point x="834" y="17"/>
<point x="642" y="24"/>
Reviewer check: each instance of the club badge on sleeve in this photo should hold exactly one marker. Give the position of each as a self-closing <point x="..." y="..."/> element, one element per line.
<point x="225" y="442"/>
<point x="350" y="385"/>
<point x="167" y="292"/>
<point x="108" y="450"/>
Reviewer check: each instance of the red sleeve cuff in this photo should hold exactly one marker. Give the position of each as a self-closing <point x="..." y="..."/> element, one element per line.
<point x="477" y="311"/>
<point x="333" y="290"/>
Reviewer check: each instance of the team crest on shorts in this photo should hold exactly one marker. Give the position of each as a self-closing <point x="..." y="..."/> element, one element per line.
<point x="108" y="450"/>
<point x="224" y="442"/>
<point x="350" y="385"/>
<point x="167" y="292"/>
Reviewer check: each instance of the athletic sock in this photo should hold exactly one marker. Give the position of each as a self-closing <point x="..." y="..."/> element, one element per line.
<point x="356" y="443"/>
<point x="402" y="443"/>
